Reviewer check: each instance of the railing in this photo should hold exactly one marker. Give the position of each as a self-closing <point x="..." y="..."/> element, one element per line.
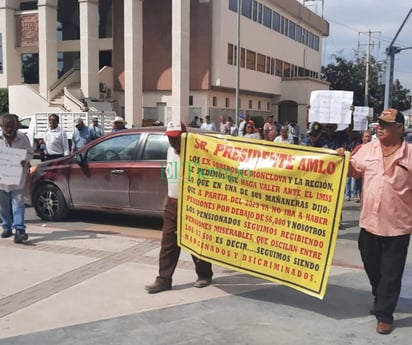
<point x="71" y="76"/>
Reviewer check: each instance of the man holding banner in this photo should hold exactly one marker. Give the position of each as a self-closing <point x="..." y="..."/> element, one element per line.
<point x="385" y="165"/>
<point x="15" y="155"/>
<point x="169" y="250"/>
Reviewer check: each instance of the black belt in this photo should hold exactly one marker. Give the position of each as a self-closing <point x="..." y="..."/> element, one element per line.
<point x="49" y="157"/>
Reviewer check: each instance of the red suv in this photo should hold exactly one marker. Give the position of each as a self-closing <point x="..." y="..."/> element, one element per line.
<point x="122" y="172"/>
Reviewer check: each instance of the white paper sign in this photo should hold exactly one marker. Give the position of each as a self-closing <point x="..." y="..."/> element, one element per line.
<point x="10" y="167"/>
<point x="360" y="118"/>
<point x="331" y="106"/>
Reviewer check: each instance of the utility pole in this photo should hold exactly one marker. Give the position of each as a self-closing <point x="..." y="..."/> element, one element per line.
<point x="390" y="62"/>
<point x="368" y="54"/>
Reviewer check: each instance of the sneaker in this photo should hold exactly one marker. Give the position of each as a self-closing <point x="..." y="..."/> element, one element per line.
<point x="6" y="234"/>
<point x="347" y="198"/>
<point x="202" y="282"/>
<point x="19" y="237"/>
<point x="157" y="287"/>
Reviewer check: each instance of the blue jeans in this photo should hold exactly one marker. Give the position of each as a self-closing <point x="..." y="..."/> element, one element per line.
<point x="356" y="187"/>
<point x="348" y="186"/>
<point x="12" y="210"/>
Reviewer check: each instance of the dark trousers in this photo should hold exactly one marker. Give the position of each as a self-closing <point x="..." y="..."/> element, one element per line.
<point x="384" y="261"/>
<point x="170" y="251"/>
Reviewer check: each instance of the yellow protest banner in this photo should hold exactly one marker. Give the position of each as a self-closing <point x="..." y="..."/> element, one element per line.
<point x="261" y="208"/>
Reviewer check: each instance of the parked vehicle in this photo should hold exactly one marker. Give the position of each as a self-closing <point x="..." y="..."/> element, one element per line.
<point x="121" y="172"/>
<point x="35" y="126"/>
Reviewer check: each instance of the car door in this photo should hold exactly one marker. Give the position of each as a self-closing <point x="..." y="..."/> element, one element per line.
<point x="148" y="185"/>
<point x="103" y="180"/>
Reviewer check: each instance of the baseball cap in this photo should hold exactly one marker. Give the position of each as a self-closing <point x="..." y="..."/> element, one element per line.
<point x="315" y="128"/>
<point x="241" y="116"/>
<point x="174" y="129"/>
<point x="392" y="115"/>
<point x="77" y="121"/>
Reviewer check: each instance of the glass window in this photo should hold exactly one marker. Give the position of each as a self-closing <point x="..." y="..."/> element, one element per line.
<point x="28" y="5"/>
<point x="279" y="64"/>
<point x="105" y="18"/>
<point x="66" y="61"/>
<point x="230" y="54"/>
<point x="156" y="148"/>
<point x="268" y="106"/>
<point x="260" y="14"/>
<point x="286" y="69"/>
<point x="316" y="43"/>
<point x="242" y="57"/>
<point x="298" y="35"/>
<point x="292" y="30"/>
<point x="247" y="8"/>
<point x="282" y="25"/>
<point x="272" y="66"/>
<point x="254" y="14"/>
<point x="30" y="68"/>
<point x="261" y="59"/>
<point x="250" y="104"/>
<point x="267" y="17"/>
<point x="121" y="148"/>
<point x="286" y="28"/>
<point x="233" y="5"/>
<point x="268" y="66"/>
<point x="214" y="101"/>
<point x="259" y="105"/>
<point x="251" y="60"/>
<point x="227" y="103"/>
<point x="68" y="22"/>
<point x="190" y="100"/>
<point x="276" y="21"/>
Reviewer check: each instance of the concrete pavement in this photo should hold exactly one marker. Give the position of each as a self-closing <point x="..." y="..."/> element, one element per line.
<point x="87" y="287"/>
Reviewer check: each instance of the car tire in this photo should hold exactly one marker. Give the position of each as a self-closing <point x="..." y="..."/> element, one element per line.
<point x="49" y="203"/>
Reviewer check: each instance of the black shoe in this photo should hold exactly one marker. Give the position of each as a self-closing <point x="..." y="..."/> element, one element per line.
<point x="157" y="287"/>
<point x="6" y="234"/>
<point x="202" y="282"/>
<point x="19" y="237"/>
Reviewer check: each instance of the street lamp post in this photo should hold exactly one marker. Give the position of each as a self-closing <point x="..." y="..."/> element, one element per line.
<point x="239" y="6"/>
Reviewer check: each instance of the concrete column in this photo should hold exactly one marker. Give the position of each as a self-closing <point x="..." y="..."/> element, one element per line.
<point x="47" y="45"/>
<point x="133" y="62"/>
<point x="89" y="47"/>
<point x="180" y="59"/>
<point x="11" y="56"/>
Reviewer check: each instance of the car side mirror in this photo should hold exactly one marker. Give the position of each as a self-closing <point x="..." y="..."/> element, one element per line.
<point x="79" y="159"/>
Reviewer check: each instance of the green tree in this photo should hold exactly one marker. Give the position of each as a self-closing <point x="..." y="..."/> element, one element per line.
<point x="4" y="101"/>
<point x="350" y="75"/>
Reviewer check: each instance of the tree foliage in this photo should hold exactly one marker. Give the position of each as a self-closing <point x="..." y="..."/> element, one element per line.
<point x="351" y="76"/>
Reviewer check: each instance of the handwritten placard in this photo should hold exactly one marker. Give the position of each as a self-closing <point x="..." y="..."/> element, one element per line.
<point x="331" y="106"/>
<point x="10" y="167"/>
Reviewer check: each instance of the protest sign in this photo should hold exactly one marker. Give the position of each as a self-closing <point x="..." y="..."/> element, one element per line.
<point x="10" y="167"/>
<point x="331" y="106"/>
<point x="265" y="209"/>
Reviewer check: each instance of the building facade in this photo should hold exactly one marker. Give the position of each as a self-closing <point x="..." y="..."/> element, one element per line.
<point x="161" y="59"/>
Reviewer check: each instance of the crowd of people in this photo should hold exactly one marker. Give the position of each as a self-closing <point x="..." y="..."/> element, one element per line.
<point x="379" y="174"/>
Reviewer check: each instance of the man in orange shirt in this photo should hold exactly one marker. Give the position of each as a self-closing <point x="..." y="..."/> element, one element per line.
<point x="385" y="165"/>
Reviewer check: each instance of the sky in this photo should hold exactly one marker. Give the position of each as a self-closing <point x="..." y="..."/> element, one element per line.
<point x="350" y="22"/>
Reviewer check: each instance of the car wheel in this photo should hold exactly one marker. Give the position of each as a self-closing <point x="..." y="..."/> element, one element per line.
<point x="49" y="203"/>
